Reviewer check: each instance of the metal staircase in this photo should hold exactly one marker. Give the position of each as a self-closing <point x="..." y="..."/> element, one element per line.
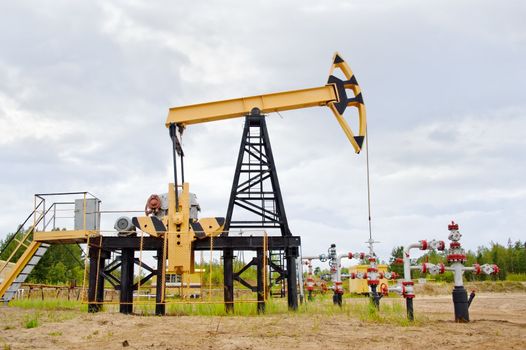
<point x="32" y="252"/>
<point x="24" y="249"/>
<point x="27" y="262"/>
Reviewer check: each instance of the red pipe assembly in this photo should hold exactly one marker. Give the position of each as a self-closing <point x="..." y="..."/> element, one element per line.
<point x="406" y="288"/>
<point x="456" y="257"/>
<point x="335" y="267"/>
<point x="373" y="276"/>
<point x="310" y="283"/>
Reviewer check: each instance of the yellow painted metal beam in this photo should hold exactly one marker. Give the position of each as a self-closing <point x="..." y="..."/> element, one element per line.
<point x="73" y="236"/>
<point x="238" y="107"/>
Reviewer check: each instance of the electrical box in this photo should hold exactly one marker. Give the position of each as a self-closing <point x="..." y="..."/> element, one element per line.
<point x="91" y="212"/>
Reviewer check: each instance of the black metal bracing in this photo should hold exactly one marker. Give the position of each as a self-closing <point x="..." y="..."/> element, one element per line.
<point x="277" y="272"/>
<point x="100" y="251"/>
<point x="255" y="190"/>
<point x="256" y="198"/>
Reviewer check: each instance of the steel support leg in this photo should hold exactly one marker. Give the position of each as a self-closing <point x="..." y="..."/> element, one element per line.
<point x="160" y="307"/>
<point x="126" y="297"/>
<point x="292" y="288"/>
<point x="228" y="274"/>
<point x="260" y="281"/>
<point x="96" y="279"/>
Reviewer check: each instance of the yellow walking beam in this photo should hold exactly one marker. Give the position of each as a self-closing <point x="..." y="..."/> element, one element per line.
<point x="238" y="107"/>
<point x="334" y="95"/>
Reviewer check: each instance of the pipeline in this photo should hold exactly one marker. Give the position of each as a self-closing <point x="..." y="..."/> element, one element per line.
<point x="406" y="288"/>
<point x="456" y="257"/>
<point x="373" y="276"/>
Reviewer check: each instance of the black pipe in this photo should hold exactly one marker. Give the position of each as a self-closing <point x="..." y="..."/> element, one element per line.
<point x="471" y="297"/>
<point x="460" y="303"/>
<point x="337" y="299"/>
<point x="409" y="308"/>
<point x="375" y="297"/>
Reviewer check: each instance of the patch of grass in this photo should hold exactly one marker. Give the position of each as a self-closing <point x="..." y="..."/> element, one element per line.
<point x="31" y="321"/>
<point x="53" y="316"/>
<point x="516" y="277"/>
<point x="55" y="334"/>
<point x="49" y="304"/>
<point x="389" y="313"/>
<point x="7" y="347"/>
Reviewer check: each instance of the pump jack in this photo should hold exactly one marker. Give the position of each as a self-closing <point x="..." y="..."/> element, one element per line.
<point x="174" y="235"/>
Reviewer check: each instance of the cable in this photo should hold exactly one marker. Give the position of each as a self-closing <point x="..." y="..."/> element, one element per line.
<point x="368" y="181"/>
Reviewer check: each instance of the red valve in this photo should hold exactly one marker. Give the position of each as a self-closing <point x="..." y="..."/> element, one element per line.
<point x="456" y="257"/>
<point x="338" y="289"/>
<point x="496" y="269"/>
<point x="452" y="226"/>
<point x="454" y="245"/>
<point x="384" y="289"/>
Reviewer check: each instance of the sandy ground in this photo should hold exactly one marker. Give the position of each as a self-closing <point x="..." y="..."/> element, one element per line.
<point x="498" y="322"/>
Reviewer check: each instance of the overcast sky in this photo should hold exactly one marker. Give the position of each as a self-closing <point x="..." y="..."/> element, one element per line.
<point x="85" y="88"/>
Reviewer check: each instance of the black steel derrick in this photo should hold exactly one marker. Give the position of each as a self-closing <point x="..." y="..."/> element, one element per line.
<point x="256" y="193"/>
<point x="255" y="188"/>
